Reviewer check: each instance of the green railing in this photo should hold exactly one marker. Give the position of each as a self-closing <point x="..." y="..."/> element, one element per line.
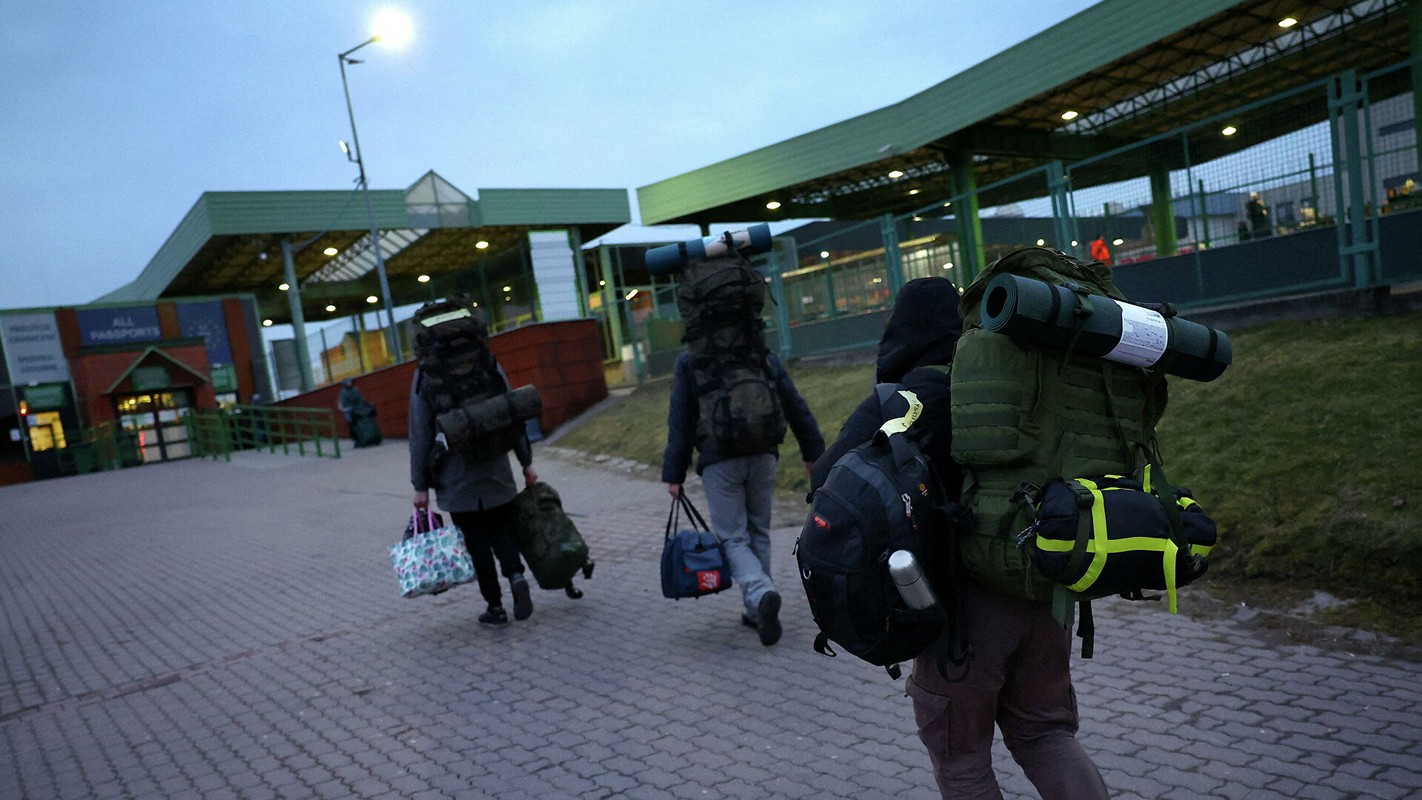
<point x="104" y="447"/>
<point x="273" y="429"/>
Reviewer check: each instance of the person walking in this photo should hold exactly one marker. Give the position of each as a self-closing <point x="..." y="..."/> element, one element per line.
<point x="1018" y="677"/>
<point x="477" y="492"/>
<point x="731" y="401"/>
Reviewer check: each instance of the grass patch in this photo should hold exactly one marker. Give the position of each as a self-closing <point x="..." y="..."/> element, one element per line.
<point x="1307" y="452"/>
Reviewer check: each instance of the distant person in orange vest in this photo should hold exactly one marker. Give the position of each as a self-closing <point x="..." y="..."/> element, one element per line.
<point x="1099" y="250"/>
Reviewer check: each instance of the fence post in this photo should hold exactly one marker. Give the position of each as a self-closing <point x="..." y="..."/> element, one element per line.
<point x="1357" y="249"/>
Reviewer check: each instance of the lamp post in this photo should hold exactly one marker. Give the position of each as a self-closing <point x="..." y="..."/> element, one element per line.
<point x="353" y="154"/>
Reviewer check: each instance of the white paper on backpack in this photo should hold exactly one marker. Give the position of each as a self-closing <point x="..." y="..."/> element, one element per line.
<point x="1144" y="336"/>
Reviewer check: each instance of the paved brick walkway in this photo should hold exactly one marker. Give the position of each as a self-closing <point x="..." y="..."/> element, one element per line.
<point x="213" y="630"/>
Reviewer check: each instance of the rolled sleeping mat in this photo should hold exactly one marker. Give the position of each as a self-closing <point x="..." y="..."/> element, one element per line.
<point x="1047" y="315"/>
<point x="672" y="258"/>
<point x="490" y="416"/>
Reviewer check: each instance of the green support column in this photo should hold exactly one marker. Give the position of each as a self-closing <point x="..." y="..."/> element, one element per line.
<point x="965" y="211"/>
<point x="609" y="299"/>
<point x="782" y="251"/>
<point x="1162" y="210"/>
<point x="298" y="319"/>
<point x="893" y="259"/>
<point x="1357" y="249"/>
<point x="1063" y="225"/>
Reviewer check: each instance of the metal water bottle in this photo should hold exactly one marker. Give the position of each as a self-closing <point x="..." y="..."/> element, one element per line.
<point x="909" y="579"/>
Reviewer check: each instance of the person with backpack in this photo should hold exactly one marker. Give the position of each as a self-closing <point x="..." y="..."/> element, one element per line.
<point x="730" y="402"/>
<point x="1016" y="673"/>
<point x="473" y="481"/>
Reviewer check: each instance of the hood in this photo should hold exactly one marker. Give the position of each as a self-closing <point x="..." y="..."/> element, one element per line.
<point x="923" y="329"/>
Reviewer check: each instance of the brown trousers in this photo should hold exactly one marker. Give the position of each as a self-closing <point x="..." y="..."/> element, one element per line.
<point x="1020" y="680"/>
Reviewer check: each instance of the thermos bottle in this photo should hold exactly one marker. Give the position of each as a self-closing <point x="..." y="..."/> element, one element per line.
<point x="908" y="577"/>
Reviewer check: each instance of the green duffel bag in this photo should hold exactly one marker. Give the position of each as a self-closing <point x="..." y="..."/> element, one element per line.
<point x="549" y="540"/>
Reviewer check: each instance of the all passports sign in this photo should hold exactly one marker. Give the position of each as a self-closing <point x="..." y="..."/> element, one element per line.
<point x="100" y="326"/>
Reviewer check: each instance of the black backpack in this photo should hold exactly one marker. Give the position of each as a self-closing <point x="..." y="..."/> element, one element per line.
<point x="880" y="497"/>
<point x="452" y="350"/>
<point x="460" y="380"/>
<point x="720" y="300"/>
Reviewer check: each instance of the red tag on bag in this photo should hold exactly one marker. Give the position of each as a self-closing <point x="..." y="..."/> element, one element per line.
<point x="708" y="580"/>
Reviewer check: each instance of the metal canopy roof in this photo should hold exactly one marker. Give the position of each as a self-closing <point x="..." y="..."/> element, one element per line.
<point x="230" y="242"/>
<point x="1132" y="69"/>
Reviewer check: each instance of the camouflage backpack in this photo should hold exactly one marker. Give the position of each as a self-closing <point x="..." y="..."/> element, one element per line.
<point x="720" y="300"/>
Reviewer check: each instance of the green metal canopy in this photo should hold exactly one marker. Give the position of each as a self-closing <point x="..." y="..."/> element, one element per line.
<point x="1130" y="69"/>
<point x="231" y="242"/>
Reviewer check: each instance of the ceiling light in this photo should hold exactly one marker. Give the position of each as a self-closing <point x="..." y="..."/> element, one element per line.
<point x="949" y="265"/>
<point x="918" y="219"/>
<point x="948" y="204"/>
<point x="896" y="174"/>
<point x="878" y="280"/>
<point x="1073" y="243"/>
<point x="1069" y="115"/>
<point x="372" y="299"/>
<point x="602" y="283"/>
<point x="913" y="191"/>
<point x="284" y="286"/>
<point x="481" y="244"/>
<point x="423" y="279"/>
<point x="1041" y="242"/>
<point x="773" y="204"/>
<point x="508" y="288"/>
<point x="1288" y="22"/>
<point x="330" y="308"/>
<point x="266" y="323"/>
<point x="824" y="254"/>
<point x="1229" y="130"/>
<point x="330" y="251"/>
<point x="508" y="299"/>
<point x="475" y="304"/>
<point x="631" y="294"/>
<point x="1118" y="242"/>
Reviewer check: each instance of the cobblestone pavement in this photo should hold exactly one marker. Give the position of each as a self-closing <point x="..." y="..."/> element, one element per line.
<point x="219" y="630"/>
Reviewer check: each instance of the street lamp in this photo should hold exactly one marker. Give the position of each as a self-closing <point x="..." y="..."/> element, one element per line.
<point x="400" y="26"/>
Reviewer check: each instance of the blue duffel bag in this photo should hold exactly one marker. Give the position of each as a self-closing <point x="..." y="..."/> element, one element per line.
<point x="693" y="560"/>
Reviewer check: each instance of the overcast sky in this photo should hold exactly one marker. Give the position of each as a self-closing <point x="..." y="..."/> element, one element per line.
<point x="118" y="115"/>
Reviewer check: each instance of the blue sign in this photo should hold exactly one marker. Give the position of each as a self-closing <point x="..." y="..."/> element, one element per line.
<point x="99" y="326"/>
<point x="206" y="320"/>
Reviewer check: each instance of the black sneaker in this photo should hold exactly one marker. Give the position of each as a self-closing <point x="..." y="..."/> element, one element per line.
<point x="769" y="613"/>
<point x="749" y="621"/>
<point x="494" y="616"/>
<point x="523" y="602"/>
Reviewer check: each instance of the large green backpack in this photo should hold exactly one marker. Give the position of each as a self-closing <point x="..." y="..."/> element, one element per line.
<point x="1025" y="415"/>
<point x="720" y="300"/>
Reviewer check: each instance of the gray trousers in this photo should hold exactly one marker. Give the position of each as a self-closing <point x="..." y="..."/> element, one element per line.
<point x="1020" y="680"/>
<point x="739" y="492"/>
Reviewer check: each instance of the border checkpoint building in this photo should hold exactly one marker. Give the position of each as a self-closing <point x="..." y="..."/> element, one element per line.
<point x="1151" y="136"/>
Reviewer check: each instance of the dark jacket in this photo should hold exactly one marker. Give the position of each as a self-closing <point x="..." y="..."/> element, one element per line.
<point x="922" y="332"/>
<point x="685" y="411"/>
<point x="460" y="484"/>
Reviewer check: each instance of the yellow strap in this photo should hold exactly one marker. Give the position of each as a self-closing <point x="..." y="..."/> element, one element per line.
<point x="1102" y="545"/>
<point x="915" y="408"/>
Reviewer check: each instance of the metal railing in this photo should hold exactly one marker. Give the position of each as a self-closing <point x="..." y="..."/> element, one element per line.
<point x="271" y="429"/>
